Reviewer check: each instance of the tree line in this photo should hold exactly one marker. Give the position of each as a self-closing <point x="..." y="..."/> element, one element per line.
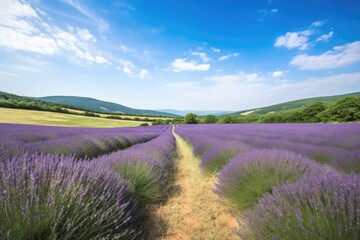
<point x="346" y="109"/>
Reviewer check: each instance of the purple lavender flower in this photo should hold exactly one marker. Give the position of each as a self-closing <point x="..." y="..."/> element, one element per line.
<point x="322" y="207"/>
<point x="246" y="178"/>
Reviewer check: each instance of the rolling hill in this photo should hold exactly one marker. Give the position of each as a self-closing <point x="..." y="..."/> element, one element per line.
<point x="198" y="112"/>
<point x="96" y="105"/>
<point x="293" y="104"/>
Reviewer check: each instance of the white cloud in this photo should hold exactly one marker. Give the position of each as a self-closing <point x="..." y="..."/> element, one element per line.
<point x="222" y="58"/>
<point x="215" y="50"/>
<point x="85" y="35"/>
<point x="241" y="95"/>
<point x="293" y="40"/>
<point x="202" y="56"/>
<point x="318" y="23"/>
<point x="325" y="37"/>
<point x="101" y="60"/>
<point x="179" y="65"/>
<point x="241" y="76"/>
<point x="101" y="24"/>
<point x="277" y="74"/>
<point x="337" y="57"/>
<point x="21" y="28"/>
<point x="6" y="73"/>
<point x="127" y="70"/>
<point x="127" y="66"/>
<point x="299" y="39"/>
<point x="144" y="74"/>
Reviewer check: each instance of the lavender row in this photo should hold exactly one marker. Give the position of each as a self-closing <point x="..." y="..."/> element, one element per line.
<point x="53" y="196"/>
<point x="335" y="144"/>
<point x="80" y="142"/>
<point x="57" y="197"/>
<point x="147" y="167"/>
<point x="284" y="194"/>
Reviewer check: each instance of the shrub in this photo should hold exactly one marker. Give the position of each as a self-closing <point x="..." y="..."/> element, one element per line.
<point x="323" y="207"/>
<point x="144" y="124"/>
<point x="246" y="178"/>
<point x="348" y="162"/>
<point x="55" y="197"/>
<point x="219" y="154"/>
<point x="144" y="178"/>
<point x="190" y="118"/>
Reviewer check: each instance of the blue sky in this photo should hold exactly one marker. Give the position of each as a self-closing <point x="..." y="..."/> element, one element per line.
<point x="161" y="54"/>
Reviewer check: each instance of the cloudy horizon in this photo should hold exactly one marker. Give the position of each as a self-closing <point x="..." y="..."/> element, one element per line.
<point x="180" y="54"/>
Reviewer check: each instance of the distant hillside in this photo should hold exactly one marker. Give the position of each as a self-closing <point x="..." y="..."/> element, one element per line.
<point x="293" y="104"/>
<point x="92" y="104"/>
<point x="200" y="113"/>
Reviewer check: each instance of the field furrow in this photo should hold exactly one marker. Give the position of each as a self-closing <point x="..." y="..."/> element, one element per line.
<point x="193" y="210"/>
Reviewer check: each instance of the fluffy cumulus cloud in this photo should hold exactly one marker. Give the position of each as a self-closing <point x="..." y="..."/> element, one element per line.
<point x="181" y="64"/>
<point x="301" y="39"/>
<point x="293" y="40"/>
<point x="277" y="74"/>
<point x="337" y="57"/>
<point x="22" y="28"/>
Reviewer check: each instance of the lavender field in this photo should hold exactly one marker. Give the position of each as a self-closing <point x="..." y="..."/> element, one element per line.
<point x="284" y="181"/>
<point x="281" y="181"/>
<point x="78" y="183"/>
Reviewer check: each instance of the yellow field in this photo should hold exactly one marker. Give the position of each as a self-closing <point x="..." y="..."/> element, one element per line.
<point x="117" y="115"/>
<point x="9" y="115"/>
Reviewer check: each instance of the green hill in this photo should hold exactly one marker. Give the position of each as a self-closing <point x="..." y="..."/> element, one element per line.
<point x="294" y="104"/>
<point x="92" y="104"/>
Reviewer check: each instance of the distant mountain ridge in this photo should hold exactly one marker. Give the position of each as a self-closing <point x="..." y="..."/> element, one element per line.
<point x="198" y="112"/>
<point x="293" y="104"/>
<point x="92" y="104"/>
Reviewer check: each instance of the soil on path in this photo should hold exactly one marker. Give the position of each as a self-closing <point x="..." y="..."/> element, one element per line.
<point x="193" y="211"/>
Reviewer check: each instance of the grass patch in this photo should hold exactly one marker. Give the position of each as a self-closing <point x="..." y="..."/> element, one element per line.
<point x="8" y="115"/>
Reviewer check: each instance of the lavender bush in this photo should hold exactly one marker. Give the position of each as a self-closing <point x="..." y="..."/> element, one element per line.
<point x="246" y="178"/>
<point x="147" y="167"/>
<point x="54" y="197"/>
<point x="218" y="154"/>
<point x="15" y="140"/>
<point x="324" y="207"/>
<point x="348" y="162"/>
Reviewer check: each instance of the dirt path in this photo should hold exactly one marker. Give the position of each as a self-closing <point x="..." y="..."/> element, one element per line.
<point x="193" y="211"/>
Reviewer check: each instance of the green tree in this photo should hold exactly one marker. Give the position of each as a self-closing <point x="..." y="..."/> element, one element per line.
<point x="228" y="119"/>
<point x="210" y="119"/>
<point x="190" y="118"/>
<point x="345" y="109"/>
<point x="311" y="113"/>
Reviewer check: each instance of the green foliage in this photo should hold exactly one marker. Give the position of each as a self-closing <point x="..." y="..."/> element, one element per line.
<point x="346" y="109"/>
<point x="210" y="119"/>
<point x="158" y="122"/>
<point x="228" y="119"/>
<point x="144" y="124"/>
<point x="13" y="101"/>
<point x="142" y="179"/>
<point x="191" y="118"/>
